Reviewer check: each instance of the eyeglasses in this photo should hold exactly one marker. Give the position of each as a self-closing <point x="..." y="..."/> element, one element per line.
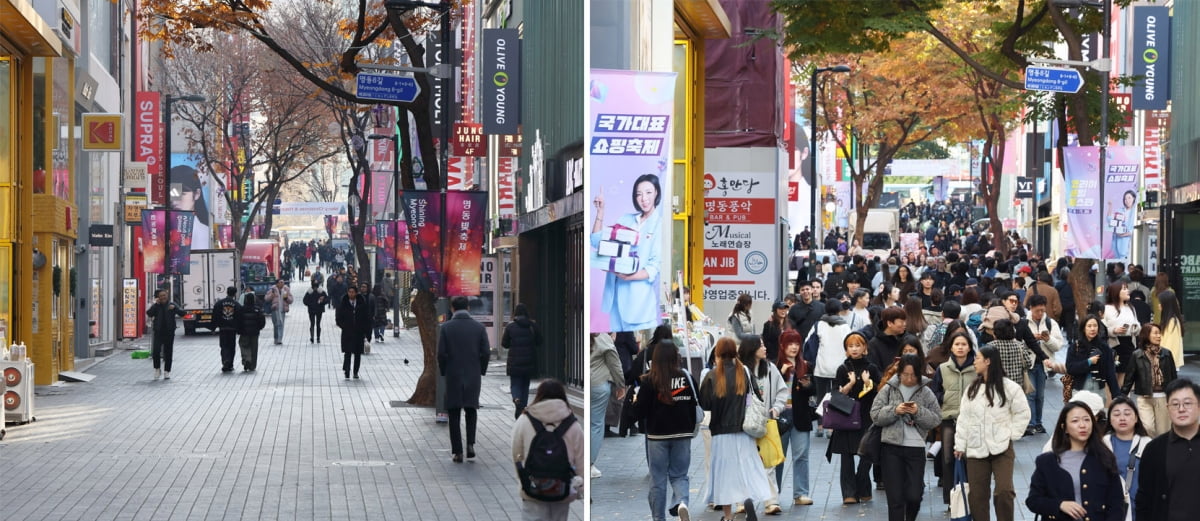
<point x="1184" y="405"/>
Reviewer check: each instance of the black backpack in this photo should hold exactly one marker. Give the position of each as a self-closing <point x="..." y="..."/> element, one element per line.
<point x="547" y="472"/>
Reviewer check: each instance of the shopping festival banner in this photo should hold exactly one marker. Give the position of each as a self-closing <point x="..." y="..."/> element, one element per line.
<point x="182" y="232"/>
<point x="385" y="244"/>
<point x="423" y="211"/>
<point x="404" y="254"/>
<point x="154" y="245"/>
<point x="630" y="119"/>
<point x="465" y="212"/>
<point x="1101" y="229"/>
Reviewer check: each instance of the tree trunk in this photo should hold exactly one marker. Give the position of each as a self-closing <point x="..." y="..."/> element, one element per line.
<point x="1081" y="286"/>
<point x="423" y="308"/>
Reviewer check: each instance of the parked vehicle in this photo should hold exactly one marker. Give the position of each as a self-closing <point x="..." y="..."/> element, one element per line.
<point x="260" y="265"/>
<point x="210" y="274"/>
<point x="881" y="231"/>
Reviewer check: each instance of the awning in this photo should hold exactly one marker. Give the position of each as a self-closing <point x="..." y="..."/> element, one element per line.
<point x="22" y="25"/>
<point x="705" y="17"/>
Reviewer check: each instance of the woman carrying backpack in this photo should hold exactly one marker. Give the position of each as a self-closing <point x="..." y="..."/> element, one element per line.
<point x="666" y="404"/>
<point x="545" y="457"/>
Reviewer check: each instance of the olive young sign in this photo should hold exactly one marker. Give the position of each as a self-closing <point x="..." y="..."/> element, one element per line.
<point x="1151" y="57"/>
<point x="501" y="81"/>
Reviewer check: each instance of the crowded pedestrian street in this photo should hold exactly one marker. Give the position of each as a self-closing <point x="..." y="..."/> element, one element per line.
<point x="291" y="440"/>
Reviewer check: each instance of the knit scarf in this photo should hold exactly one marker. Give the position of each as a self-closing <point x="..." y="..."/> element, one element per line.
<point x="1156" y="375"/>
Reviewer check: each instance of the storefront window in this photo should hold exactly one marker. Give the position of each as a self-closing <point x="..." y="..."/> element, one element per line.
<point x="100" y="25"/>
<point x="5" y="121"/>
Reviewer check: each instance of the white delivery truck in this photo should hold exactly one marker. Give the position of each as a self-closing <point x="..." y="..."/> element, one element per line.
<point x="881" y="231"/>
<point x="211" y="273"/>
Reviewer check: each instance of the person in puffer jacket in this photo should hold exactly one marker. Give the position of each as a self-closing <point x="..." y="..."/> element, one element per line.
<point x="906" y="410"/>
<point x="549" y="407"/>
<point x="522" y="338"/>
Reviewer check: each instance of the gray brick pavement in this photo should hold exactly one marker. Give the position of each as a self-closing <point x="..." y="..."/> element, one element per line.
<point x="620" y="494"/>
<point x="292" y="441"/>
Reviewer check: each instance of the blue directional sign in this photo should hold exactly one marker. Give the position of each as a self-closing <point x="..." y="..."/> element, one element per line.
<point x="1052" y="79"/>
<point x="387" y="87"/>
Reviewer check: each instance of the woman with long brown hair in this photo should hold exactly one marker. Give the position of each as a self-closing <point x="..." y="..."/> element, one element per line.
<point x="666" y="405"/>
<point x="1171" y="320"/>
<point x="740" y="322"/>
<point x="736" y="473"/>
<point x="1161" y="283"/>
<point x="915" y="323"/>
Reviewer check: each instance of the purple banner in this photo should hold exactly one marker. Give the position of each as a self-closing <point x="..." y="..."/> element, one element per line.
<point x="181" y="242"/>
<point x="465" y="212"/>
<point x="385" y="245"/>
<point x="629" y="113"/>
<point x="154" y="245"/>
<point x="423" y="211"/>
<point x="1093" y="233"/>
<point x="404" y="252"/>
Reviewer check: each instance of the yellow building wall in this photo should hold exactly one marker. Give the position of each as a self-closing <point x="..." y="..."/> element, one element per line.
<point x="53" y="328"/>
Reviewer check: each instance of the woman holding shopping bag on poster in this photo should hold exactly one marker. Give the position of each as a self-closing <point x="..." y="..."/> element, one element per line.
<point x="630" y="298"/>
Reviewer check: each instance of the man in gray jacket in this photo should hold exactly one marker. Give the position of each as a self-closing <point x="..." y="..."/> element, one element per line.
<point x="463" y="352"/>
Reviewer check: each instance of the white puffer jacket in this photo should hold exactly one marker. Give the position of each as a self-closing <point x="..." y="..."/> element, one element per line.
<point x="831" y="331"/>
<point x="987" y="431"/>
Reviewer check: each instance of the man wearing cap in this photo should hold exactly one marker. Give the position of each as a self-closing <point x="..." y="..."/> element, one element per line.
<point x="773" y="327"/>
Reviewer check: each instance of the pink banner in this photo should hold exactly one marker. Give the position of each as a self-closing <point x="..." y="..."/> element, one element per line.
<point x="465" y="224"/>
<point x="404" y="253"/>
<point x="154" y="240"/>
<point x="1101" y="229"/>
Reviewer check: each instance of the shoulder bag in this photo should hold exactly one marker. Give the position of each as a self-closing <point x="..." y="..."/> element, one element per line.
<point x="841" y="412"/>
<point x="695" y="396"/>
<point x="754" y="422"/>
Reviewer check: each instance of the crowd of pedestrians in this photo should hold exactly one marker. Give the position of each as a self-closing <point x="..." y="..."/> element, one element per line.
<point x="943" y="353"/>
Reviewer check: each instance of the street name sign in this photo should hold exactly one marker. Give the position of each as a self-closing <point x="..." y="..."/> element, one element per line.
<point x="1053" y="79"/>
<point x="387" y="87"/>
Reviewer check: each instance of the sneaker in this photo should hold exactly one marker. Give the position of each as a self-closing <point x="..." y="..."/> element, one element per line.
<point x="803" y="501"/>
<point x="167" y="375"/>
<point x="1038" y="429"/>
<point x="682" y="512"/>
<point x="773" y="510"/>
<point x="595" y="472"/>
<point x="864" y="499"/>
<point x="1029" y="431"/>
<point x="157" y="374"/>
<point x="751" y="515"/>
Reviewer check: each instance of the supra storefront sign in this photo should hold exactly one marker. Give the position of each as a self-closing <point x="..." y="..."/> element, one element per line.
<point x="501" y="81"/>
<point x="147" y="146"/>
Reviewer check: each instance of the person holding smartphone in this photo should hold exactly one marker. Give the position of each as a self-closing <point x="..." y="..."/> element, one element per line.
<point x="906" y="410"/>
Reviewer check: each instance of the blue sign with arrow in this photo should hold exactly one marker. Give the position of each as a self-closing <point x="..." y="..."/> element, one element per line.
<point x="1053" y="79"/>
<point x="387" y="87"/>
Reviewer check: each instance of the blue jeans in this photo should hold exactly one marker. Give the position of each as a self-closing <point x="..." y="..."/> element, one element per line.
<point x="668" y="461"/>
<point x="800" y="441"/>
<point x="519" y="388"/>
<point x="1037" y="376"/>
<point x="277" y="322"/>
<point x="600" y="395"/>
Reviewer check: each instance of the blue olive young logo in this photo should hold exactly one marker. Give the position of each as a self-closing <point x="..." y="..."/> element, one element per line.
<point x="756" y="262"/>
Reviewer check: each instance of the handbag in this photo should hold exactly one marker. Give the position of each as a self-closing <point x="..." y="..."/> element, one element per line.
<point x="770" y="446"/>
<point x="833" y="419"/>
<point x="870" y="444"/>
<point x="841" y="402"/>
<point x="960" y="510"/>
<point x="754" y="422"/>
<point x="696" y="396"/>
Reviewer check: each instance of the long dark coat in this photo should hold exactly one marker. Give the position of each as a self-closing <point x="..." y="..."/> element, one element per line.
<point x="355" y="323"/>
<point x="522" y="339"/>
<point x="463" y="352"/>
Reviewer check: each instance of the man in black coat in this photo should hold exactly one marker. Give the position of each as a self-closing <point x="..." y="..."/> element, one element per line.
<point x="162" y="314"/>
<point x="463" y="352"/>
<point x="1167" y="479"/>
<point x="805" y="313"/>
<point x="354" y="318"/>
<point x="225" y="314"/>
<point x="521" y="338"/>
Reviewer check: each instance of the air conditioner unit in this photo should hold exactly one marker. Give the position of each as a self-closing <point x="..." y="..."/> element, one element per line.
<point x="18" y="390"/>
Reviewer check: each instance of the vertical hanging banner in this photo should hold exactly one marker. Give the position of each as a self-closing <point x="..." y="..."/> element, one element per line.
<point x="385" y="234"/>
<point x="404" y="253"/>
<point x="154" y="245"/>
<point x="1101" y="229"/>
<point x="465" y="213"/>
<point x="506" y="196"/>
<point x="630" y="119"/>
<point x="423" y="211"/>
<point x="147" y="142"/>
<point x="191" y="191"/>
<point x="129" y="308"/>
<point x="1151" y="56"/>
<point x="501" y="81"/>
<point x="331" y="224"/>
<point x="182" y="227"/>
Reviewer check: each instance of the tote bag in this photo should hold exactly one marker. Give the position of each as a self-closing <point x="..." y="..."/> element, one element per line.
<point x="959" y="509"/>
<point x="770" y="446"/>
<point x="754" y="423"/>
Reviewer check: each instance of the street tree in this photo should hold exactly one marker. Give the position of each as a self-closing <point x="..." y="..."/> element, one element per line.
<point x="178" y="23"/>
<point x="256" y="131"/>
<point x="887" y="103"/>
<point x="1018" y="31"/>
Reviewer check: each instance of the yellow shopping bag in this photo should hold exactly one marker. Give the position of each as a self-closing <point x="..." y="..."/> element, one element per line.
<point x="770" y="448"/>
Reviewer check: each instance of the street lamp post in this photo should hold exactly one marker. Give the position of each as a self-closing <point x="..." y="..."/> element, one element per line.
<point x="395" y="139"/>
<point x="812" y="162"/>
<point x="167" y="102"/>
